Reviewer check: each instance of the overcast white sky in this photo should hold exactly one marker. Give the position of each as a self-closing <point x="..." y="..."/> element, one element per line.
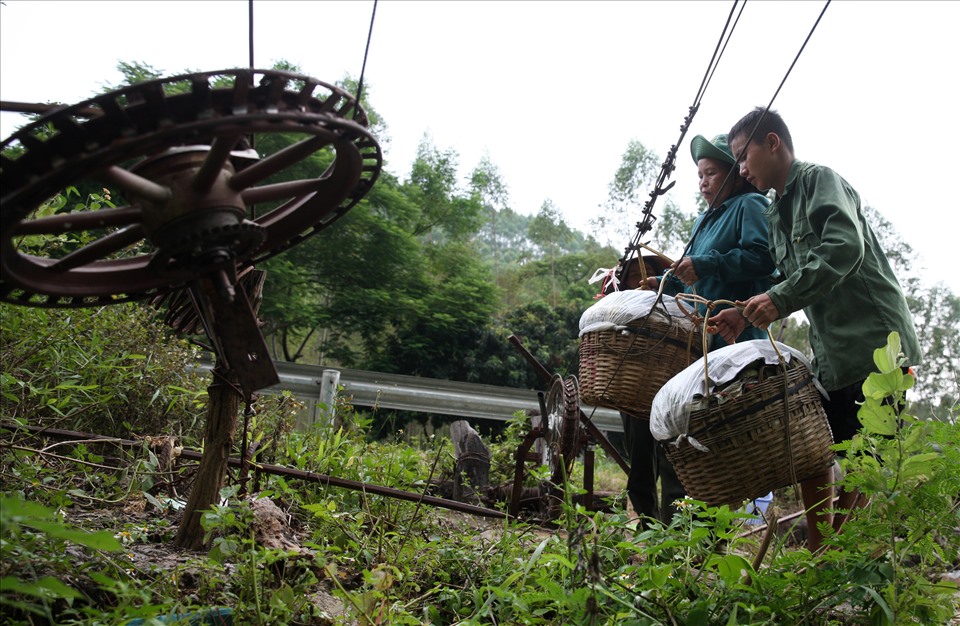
<point x="553" y="92"/>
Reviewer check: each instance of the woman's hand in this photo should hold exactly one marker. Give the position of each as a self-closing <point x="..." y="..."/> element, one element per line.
<point x="685" y="271"/>
<point x="652" y="283"/>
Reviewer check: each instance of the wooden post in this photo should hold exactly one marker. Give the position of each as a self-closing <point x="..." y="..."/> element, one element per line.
<point x="222" y="407"/>
<point x="223" y="404"/>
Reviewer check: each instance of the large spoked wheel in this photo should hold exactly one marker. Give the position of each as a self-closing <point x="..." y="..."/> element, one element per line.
<point x="196" y="197"/>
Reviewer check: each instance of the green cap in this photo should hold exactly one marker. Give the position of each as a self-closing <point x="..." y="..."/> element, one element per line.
<point x="717" y="149"/>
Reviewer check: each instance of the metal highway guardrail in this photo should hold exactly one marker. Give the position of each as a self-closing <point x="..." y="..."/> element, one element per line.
<point x="413" y="393"/>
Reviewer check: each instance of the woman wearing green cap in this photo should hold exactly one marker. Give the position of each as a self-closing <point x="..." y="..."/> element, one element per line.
<point x="727" y="257"/>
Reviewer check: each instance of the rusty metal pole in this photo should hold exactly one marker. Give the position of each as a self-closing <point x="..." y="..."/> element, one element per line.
<point x="588" y="467"/>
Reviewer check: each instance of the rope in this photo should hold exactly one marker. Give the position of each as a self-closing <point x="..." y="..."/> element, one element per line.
<point x="790" y="69"/>
<point x="363" y="68"/>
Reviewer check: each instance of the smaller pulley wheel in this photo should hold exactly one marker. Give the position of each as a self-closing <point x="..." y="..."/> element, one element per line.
<point x="561" y="426"/>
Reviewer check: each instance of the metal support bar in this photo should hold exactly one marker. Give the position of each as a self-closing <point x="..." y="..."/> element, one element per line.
<point x="423" y="395"/>
<point x="279" y="470"/>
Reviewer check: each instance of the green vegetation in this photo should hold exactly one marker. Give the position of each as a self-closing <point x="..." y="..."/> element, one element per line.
<point x="347" y="557"/>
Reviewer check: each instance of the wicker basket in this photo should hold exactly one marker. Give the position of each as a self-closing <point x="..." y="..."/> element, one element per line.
<point x="749" y="448"/>
<point x="624" y="370"/>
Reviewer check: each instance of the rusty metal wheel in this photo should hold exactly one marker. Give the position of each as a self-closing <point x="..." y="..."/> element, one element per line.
<point x="561" y="427"/>
<point x="176" y="151"/>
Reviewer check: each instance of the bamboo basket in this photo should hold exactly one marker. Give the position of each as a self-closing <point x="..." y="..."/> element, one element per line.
<point x="757" y="443"/>
<point x="624" y="370"/>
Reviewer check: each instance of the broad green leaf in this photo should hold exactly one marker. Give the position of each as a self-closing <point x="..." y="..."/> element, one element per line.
<point x="881" y="603"/>
<point x="732" y="567"/>
<point x="46" y="587"/>
<point x="154" y="501"/>
<point x="880" y="386"/>
<point x="97" y="540"/>
<point x="912" y="437"/>
<point x="659" y="575"/>
<point x="878" y="418"/>
<point x="887" y="358"/>
<point x="733" y="617"/>
<point x="20" y="510"/>
<point x="698" y="617"/>
<point x="908" y="382"/>
<point x="919" y="466"/>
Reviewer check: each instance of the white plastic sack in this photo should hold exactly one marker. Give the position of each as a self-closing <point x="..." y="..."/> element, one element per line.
<point x="671" y="408"/>
<point x="622" y="307"/>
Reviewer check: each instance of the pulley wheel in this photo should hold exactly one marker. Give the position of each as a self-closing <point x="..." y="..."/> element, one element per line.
<point x="195" y="196"/>
<point x="561" y="426"/>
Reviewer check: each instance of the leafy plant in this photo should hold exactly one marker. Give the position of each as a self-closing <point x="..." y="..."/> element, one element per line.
<point x="269" y="585"/>
<point x="32" y="540"/>
<point x="109" y="370"/>
<point x="906" y="468"/>
<point x="390" y="561"/>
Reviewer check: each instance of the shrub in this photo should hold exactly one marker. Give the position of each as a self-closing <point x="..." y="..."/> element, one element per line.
<point x="112" y="370"/>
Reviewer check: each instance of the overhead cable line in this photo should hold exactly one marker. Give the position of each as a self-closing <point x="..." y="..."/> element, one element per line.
<point x="669" y="164"/>
<point x="250" y="32"/>
<point x="737" y="157"/>
<point x="363" y="68"/>
<point x="780" y="86"/>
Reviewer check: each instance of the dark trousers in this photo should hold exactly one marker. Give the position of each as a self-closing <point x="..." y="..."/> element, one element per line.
<point x="648" y="462"/>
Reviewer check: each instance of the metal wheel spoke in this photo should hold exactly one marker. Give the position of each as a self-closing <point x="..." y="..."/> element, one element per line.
<point x="213" y="164"/>
<point x="79" y="221"/>
<point x="278" y="162"/>
<point x="101" y="248"/>
<point x="135" y="184"/>
<point x="282" y="191"/>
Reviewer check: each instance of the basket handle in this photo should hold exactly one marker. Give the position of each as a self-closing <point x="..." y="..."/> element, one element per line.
<point x="690" y="315"/>
<point x="712" y="304"/>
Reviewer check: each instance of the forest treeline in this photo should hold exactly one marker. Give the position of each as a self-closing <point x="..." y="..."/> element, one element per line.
<point x="433" y="270"/>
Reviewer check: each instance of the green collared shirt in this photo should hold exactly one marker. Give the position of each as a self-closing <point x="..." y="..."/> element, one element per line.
<point x="835" y="270"/>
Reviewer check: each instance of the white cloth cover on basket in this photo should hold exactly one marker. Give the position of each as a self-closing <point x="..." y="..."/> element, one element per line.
<point x="671" y="408"/>
<point x="622" y="307"/>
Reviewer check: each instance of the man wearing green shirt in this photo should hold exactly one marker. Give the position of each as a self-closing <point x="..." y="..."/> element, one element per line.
<point x="833" y="269"/>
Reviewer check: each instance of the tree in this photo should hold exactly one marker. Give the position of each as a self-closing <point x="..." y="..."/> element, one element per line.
<point x="488" y="187"/>
<point x="638" y="170"/>
<point x="444" y="210"/>
<point x="673" y="230"/>
<point x="337" y="294"/>
<point x="455" y="305"/>
<point x="935" y="312"/>
<point x="551" y="334"/>
<point x="504" y="242"/>
<point x="629" y="191"/>
<point x="134" y="72"/>
<point x="552" y="236"/>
